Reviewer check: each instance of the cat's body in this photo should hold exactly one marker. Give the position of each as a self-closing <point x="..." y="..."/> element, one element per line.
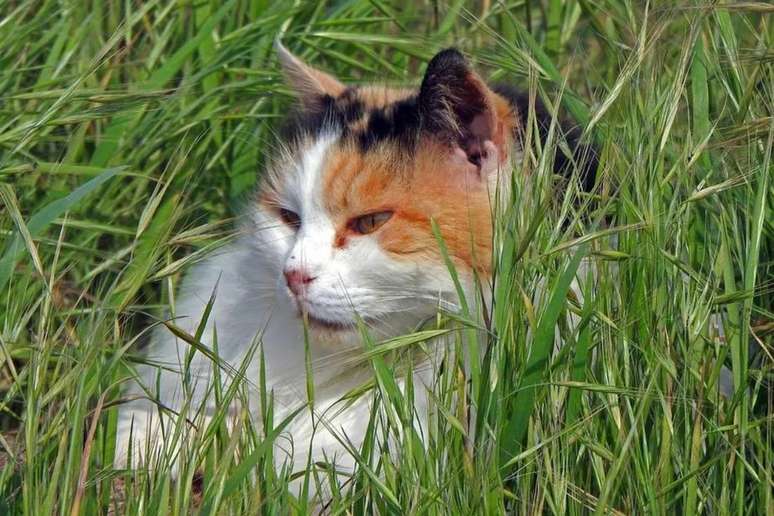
<point x="340" y="234"/>
<point x="243" y="313"/>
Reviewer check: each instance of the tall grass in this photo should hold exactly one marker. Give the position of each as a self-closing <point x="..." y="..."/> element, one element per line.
<point x="131" y="132"/>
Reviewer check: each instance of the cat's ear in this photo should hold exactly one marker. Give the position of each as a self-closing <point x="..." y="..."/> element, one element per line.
<point x="458" y="109"/>
<point x="309" y="84"/>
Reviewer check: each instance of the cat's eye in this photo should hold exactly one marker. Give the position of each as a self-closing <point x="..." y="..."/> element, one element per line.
<point x="290" y="218"/>
<point x="369" y="222"/>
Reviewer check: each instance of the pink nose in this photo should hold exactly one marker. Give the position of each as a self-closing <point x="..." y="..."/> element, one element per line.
<point x="297" y="280"/>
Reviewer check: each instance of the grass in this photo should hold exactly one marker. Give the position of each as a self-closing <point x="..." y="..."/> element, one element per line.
<point x="131" y="132"/>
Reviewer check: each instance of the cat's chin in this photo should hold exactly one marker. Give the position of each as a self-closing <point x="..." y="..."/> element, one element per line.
<point x="318" y="324"/>
<point x="331" y="336"/>
<point x="328" y="336"/>
<point x="334" y="334"/>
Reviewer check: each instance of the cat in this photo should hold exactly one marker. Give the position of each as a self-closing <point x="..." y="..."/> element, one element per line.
<point x="339" y="237"/>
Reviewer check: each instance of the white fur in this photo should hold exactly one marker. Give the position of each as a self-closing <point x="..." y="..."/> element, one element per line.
<point x="252" y="301"/>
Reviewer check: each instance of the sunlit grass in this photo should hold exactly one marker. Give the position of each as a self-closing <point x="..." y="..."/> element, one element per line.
<point x="132" y="132"/>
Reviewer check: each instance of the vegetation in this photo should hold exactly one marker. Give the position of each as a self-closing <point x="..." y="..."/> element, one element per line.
<point x="131" y="132"/>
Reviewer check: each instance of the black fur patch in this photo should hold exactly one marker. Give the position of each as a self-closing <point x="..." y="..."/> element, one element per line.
<point x="327" y="113"/>
<point x="398" y="123"/>
<point x="301" y="122"/>
<point x="349" y="107"/>
<point x="584" y="154"/>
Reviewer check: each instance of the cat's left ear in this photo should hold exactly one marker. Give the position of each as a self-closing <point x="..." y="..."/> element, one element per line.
<point x="309" y="84"/>
<point x="458" y="109"/>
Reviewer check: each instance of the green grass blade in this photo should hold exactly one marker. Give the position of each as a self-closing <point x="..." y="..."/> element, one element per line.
<point x="44" y="217"/>
<point x="542" y="344"/>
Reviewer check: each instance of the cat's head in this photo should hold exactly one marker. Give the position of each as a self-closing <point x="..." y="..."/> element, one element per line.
<point x="344" y="213"/>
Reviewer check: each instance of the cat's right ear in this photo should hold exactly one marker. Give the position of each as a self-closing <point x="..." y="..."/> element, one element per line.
<point x="458" y="109"/>
<point x="309" y="84"/>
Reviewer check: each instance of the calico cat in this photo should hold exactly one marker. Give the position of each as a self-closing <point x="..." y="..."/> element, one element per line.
<point x="339" y="237"/>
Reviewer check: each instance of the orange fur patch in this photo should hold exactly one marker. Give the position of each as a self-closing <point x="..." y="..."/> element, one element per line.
<point x="425" y="190"/>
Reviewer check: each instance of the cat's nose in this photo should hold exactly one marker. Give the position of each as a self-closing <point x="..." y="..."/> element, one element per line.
<point x="297" y="280"/>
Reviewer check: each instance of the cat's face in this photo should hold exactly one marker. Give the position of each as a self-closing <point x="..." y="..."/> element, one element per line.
<point x="345" y="213"/>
